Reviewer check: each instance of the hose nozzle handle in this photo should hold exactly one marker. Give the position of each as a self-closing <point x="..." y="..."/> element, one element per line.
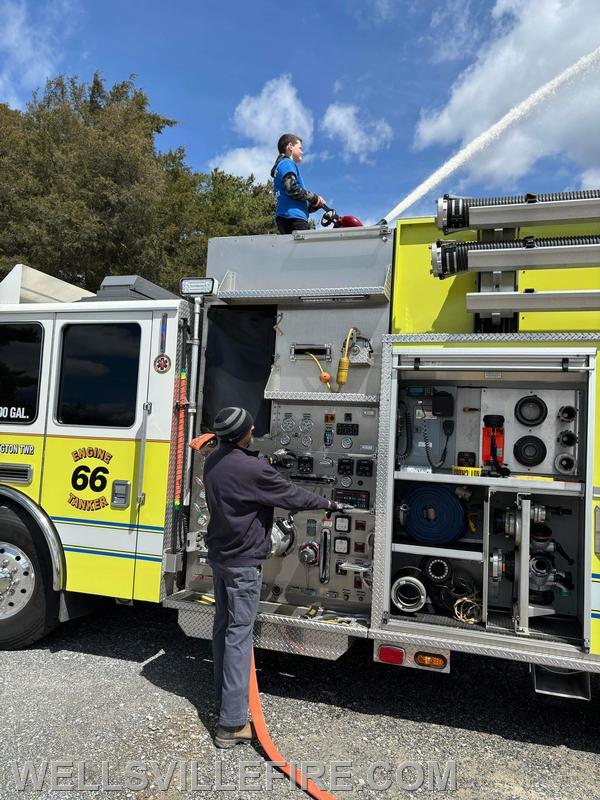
<point x="329" y="217"/>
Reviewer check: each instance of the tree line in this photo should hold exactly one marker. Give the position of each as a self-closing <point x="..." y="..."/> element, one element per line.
<point x="85" y="192"/>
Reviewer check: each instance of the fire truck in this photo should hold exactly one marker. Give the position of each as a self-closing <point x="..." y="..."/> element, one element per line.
<point x="438" y="377"/>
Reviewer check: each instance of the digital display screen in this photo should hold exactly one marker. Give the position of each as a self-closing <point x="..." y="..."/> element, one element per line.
<point x="346" y="429"/>
<point x="352" y="497"/>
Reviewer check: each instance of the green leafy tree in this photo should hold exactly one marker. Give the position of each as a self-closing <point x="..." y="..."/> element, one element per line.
<point x="85" y="193"/>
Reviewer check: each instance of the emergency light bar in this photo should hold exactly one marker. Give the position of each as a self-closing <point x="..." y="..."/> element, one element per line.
<point x="451" y="258"/>
<point x="457" y="213"/>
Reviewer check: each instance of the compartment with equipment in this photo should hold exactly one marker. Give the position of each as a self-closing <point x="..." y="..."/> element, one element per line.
<point x="320" y="394"/>
<point x="437" y="553"/>
<point x="437" y="590"/>
<point x="491" y="475"/>
<point x="426" y="428"/>
<point x="323" y="437"/>
<point x="317" y="351"/>
<point x="492" y="423"/>
<point x="536" y="565"/>
<point x="540" y="429"/>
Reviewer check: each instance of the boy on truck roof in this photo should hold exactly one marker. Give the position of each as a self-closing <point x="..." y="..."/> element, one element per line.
<point x="293" y="201"/>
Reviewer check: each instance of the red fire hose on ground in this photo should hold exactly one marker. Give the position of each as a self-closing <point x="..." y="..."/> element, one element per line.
<point x="273" y="754"/>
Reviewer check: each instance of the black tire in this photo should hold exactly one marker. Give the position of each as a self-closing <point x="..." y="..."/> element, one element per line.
<point x="39" y="615"/>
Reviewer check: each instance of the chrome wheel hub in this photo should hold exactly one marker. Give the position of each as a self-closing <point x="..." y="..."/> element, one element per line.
<point x="17" y="580"/>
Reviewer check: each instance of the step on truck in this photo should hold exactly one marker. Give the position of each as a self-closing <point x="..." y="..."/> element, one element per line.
<point x="438" y="377"/>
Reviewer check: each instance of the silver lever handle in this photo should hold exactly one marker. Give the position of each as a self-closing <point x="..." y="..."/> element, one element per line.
<point x="325" y="547"/>
<point x="141" y="497"/>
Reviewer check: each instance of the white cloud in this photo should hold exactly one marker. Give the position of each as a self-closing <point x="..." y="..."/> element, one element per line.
<point x="532" y="41"/>
<point x="276" y="109"/>
<point x="246" y="161"/>
<point x="590" y="178"/>
<point x="383" y="10"/>
<point x="454" y="33"/>
<point x="356" y="138"/>
<point x="30" y="47"/>
<point x="262" y="119"/>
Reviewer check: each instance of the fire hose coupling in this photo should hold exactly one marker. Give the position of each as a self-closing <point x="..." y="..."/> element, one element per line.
<point x="283" y="536"/>
<point x="453" y="212"/>
<point x="451" y="258"/>
<point x="408" y="592"/>
<point x="543" y="573"/>
<point x="507" y="521"/>
<point x="437" y="570"/>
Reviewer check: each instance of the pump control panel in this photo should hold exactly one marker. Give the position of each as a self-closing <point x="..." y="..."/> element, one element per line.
<point x="331" y="451"/>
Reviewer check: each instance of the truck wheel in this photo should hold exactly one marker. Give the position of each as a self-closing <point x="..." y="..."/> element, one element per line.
<point x="28" y="604"/>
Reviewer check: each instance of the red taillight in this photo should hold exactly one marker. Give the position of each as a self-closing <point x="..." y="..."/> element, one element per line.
<point x="391" y="655"/>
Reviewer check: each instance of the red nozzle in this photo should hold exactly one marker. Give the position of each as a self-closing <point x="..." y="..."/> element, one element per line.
<point x="347" y="222"/>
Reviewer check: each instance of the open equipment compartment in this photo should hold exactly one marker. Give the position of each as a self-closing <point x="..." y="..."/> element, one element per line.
<point x="482" y="520"/>
<point x="289" y="311"/>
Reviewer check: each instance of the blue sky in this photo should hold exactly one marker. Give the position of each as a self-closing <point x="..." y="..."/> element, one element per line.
<point x="383" y="91"/>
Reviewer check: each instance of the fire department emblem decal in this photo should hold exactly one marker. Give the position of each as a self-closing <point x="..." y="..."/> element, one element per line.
<point x="162" y="363"/>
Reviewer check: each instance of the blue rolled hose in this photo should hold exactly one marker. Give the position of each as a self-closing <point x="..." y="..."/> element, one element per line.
<point x="447" y="522"/>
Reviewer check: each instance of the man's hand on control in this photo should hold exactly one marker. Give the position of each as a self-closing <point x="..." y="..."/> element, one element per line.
<point x="319" y="202"/>
<point x="333" y="506"/>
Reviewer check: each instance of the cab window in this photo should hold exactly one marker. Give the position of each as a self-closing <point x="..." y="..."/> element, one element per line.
<point x="20" y="359"/>
<point x="99" y="374"/>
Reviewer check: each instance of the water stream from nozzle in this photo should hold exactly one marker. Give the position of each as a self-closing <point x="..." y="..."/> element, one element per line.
<point x="516" y="113"/>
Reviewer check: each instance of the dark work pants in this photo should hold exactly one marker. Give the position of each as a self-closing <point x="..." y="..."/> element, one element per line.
<point x="291" y="224"/>
<point x="237" y="592"/>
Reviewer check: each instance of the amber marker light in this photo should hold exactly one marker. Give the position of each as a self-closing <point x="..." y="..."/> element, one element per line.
<point x="430" y="660"/>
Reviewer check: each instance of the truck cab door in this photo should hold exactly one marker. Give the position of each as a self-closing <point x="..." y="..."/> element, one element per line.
<point x="96" y="427"/>
<point x="25" y="353"/>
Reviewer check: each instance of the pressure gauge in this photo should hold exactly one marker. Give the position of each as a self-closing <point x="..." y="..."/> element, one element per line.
<point x="346" y="481"/>
<point x="342" y="524"/>
<point x="285" y="439"/>
<point x="306" y="425"/>
<point x="288" y="424"/>
<point x="306" y="441"/>
<point x="346" y="442"/>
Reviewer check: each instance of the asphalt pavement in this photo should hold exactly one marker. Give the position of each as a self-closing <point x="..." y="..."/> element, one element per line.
<point x="119" y="705"/>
